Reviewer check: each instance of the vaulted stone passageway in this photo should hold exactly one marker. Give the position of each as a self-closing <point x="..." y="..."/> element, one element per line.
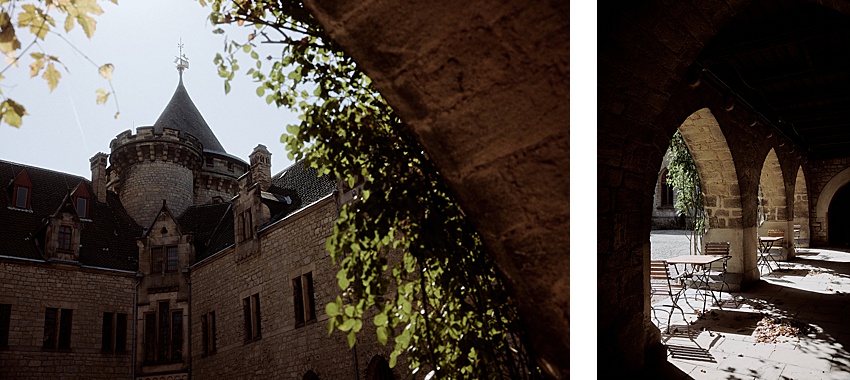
<point x="748" y="65"/>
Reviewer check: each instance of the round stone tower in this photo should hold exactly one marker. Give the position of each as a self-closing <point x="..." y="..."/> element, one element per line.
<point x="149" y="167"/>
<point x="177" y="160"/>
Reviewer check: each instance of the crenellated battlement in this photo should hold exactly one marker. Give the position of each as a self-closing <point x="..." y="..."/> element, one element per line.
<point x="148" y="134"/>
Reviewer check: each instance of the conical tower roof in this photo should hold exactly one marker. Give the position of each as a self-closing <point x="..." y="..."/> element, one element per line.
<point x="181" y="114"/>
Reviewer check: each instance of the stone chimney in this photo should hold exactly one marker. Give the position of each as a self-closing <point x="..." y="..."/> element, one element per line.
<point x="261" y="167"/>
<point x="98" y="176"/>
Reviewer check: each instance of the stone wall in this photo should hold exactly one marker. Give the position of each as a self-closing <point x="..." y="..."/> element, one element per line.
<point x="32" y="287"/>
<point x="821" y="172"/>
<point x="288" y="249"/>
<point x="146" y="184"/>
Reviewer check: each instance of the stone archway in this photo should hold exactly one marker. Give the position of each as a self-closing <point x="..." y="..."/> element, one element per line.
<point x="820" y="224"/>
<point x="838" y="218"/>
<point x="719" y="181"/>
<point x="801" y="208"/>
<point x="773" y="207"/>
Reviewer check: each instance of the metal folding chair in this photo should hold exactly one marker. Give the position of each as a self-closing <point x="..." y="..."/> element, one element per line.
<point x="663" y="284"/>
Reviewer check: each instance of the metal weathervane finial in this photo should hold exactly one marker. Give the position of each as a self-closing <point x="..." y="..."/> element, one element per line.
<point x="181" y="60"/>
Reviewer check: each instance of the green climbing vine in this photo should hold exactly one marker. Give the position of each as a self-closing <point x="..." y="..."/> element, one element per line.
<point x="682" y="175"/>
<point x="410" y="261"/>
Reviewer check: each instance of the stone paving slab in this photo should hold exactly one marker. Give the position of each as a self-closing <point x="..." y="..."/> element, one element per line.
<point x="813" y="294"/>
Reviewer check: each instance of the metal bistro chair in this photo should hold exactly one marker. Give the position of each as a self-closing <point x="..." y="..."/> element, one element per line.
<point x="661" y="283"/>
<point x="797" y="229"/>
<point x="765" y="257"/>
<point x="715" y="273"/>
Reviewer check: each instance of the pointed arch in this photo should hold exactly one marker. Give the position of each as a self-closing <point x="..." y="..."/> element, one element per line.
<point x="772" y="201"/>
<point x="718" y="177"/>
<point x="820" y="224"/>
<point x="801" y="209"/>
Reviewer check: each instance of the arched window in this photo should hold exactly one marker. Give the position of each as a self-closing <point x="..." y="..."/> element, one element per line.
<point x="665" y="193"/>
<point x="379" y="369"/>
<point x="310" y="375"/>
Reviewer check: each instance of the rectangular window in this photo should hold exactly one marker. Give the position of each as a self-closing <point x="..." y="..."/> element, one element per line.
<point x="177" y="335"/>
<point x="50" y="319"/>
<point x="5" y="321"/>
<point x="164" y="335"/>
<point x="114" y="336"/>
<point x="304" y="302"/>
<point x="107" y="333"/>
<point x="65" y="233"/>
<point x="247" y="225"/>
<point x="150" y="337"/>
<point x="156" y="260"/>
<point x="57" y="328"/>
<point x="22" y="195"/>
<point x="120" y="332"/>
<point x="251" y="311"/>
<point x="209" y="161"/>
<point x="164" y="331"/>
<point x="298" y="301"/>
<point x="208" y="337"/>
<point x="82" y="207"/>
<point x="171" y="266"/>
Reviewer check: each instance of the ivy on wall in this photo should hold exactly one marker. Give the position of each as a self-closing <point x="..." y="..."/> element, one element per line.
<point x="682" y="175"/>
<point x="410" y="261"/>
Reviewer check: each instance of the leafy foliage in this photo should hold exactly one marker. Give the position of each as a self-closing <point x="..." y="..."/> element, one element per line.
<point x="682" y="175"/>
<point x="36" y="18"/>
<point x="409" y="259"/>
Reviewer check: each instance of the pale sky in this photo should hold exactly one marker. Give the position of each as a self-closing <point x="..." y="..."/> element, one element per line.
<point x="66" y="127"/>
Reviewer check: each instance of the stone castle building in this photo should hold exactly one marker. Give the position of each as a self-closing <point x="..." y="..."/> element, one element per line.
<point x="176" y="260"/>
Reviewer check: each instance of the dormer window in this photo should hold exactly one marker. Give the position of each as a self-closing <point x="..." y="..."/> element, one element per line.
<point x="22" y="194"/>
<point x="22" y="197"/>
<point x="65" y="234"/>
<point x="81" y="200"/>
<point x="82" y="207"/>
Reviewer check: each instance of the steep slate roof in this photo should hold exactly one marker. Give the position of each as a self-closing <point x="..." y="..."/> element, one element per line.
<point x="203" y="222"/>
<point x="302" y="185"/>
<point x="107" y="241"/>
<point x="181" y="114"/>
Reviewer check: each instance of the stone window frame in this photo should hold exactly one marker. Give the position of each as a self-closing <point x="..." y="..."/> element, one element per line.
<point x="252" y="318"/>
<point x="113" y="336"/>
<point x="164" y="348"/>
<point x="208" y="334"/>
<point x="247" y="225"/>
<point x="304" y="299"/>
<point x="58" y="326"/>
<point x="65" y="238"/>
<point x="160" y="259"/>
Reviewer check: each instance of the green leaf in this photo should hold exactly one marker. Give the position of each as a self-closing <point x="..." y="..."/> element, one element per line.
<point x="352" y="339"/>
<point x="382" y="334"/>
<point x="218" y="31"/>
<point x="226" y="87"/>
<point x="261" y="91"/>
<point x="380" y="319"/>
<point x="347" y="325"/>
<point x="51" y="75"/>
<point x="246" y="48"/>
<point x="106" y="71"/>
<point x="332" y="309"/>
